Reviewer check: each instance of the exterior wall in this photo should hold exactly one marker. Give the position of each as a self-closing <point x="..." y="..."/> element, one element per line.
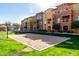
<point x="75" y="16"/>
<point x="64" y="10"/>
<point x="21" y="28"/>
<point x="39" y="19"/>
<point x="31" y="23"/>
<point x="76" y="12"/>
<point x="24" y="24"/>
<point x="48" y="20"/>
<point x="34" y="23"/>
<point x="44" y="22"/>
<point x="28" y="24"/>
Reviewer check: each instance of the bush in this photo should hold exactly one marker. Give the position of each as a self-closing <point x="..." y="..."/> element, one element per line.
<point x="56" y="34"/>
<point x="75" y="24"/>
<point x="56" y="26"/>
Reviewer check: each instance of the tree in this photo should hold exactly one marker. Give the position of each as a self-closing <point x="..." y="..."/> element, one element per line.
<point x="56" y="26"/>
<point x="75" y="24"/>
<point x="8" y="24"/>
<point x="16" y="26"/>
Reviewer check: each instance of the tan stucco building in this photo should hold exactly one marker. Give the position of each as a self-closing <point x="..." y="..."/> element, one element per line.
<point x="31" y="23"/>
<point x="48" y="19"/>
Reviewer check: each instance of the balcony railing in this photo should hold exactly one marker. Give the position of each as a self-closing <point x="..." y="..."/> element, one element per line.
<point x="63" y="13"/>
<point x="67" y="12"/>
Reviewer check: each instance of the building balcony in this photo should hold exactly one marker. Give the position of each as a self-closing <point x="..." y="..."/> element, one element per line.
<point x="65" y="23"/>
<point x="48" y="22"/>
<point x="66" y="12"/>
<point x="63" y="13"/>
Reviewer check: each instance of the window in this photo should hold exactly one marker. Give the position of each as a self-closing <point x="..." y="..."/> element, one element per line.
<point x="77" y="7"/>
<point x="40" y="22"/>
<point x="39" y="17"/>
<point x="49" y="27"/>
<point x="65" y="20"/>
<point x="48" y="20"/>
<point x="66" y="8"/>
<point x="61" y="11"/>
<point x="78" y="18"/>
<point x="58" y="20"/>
<point x="49" y="14"/>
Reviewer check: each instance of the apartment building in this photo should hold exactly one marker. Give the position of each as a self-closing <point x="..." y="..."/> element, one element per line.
<point x="65" y="14"/>
<point x="39" y="19"/>
<point x="75" y="17"/>
<point x="31" y="23"/>
<point x="61" y="17"/>
<point x="48" y="19"/>
<point x="24" y="25"/>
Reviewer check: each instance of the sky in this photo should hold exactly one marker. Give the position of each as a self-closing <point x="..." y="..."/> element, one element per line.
<point x="15" y="12"/>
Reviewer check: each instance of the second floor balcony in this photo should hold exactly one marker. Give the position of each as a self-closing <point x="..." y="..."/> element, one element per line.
<point x="63" y="12"/>
<point x="66" y="20"/>
<point x="66" y="12"/>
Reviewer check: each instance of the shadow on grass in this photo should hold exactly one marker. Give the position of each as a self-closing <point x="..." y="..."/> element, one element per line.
<point x="73" y="43"/>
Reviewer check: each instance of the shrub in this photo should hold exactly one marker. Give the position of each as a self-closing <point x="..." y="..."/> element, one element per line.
<point x="75" y="24"/>
<point x="56" y="26"/>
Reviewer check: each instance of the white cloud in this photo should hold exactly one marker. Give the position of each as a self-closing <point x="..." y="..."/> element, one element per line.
<point x="19" y="19"/>
<point x="46" y="5"/>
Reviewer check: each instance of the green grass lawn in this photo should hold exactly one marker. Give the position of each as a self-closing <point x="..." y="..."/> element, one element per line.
<point x="10" y="47"/>
<point x="67" y="48"/>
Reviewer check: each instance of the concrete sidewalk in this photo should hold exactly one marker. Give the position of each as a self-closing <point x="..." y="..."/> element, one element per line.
<point x="37" y="41"/>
